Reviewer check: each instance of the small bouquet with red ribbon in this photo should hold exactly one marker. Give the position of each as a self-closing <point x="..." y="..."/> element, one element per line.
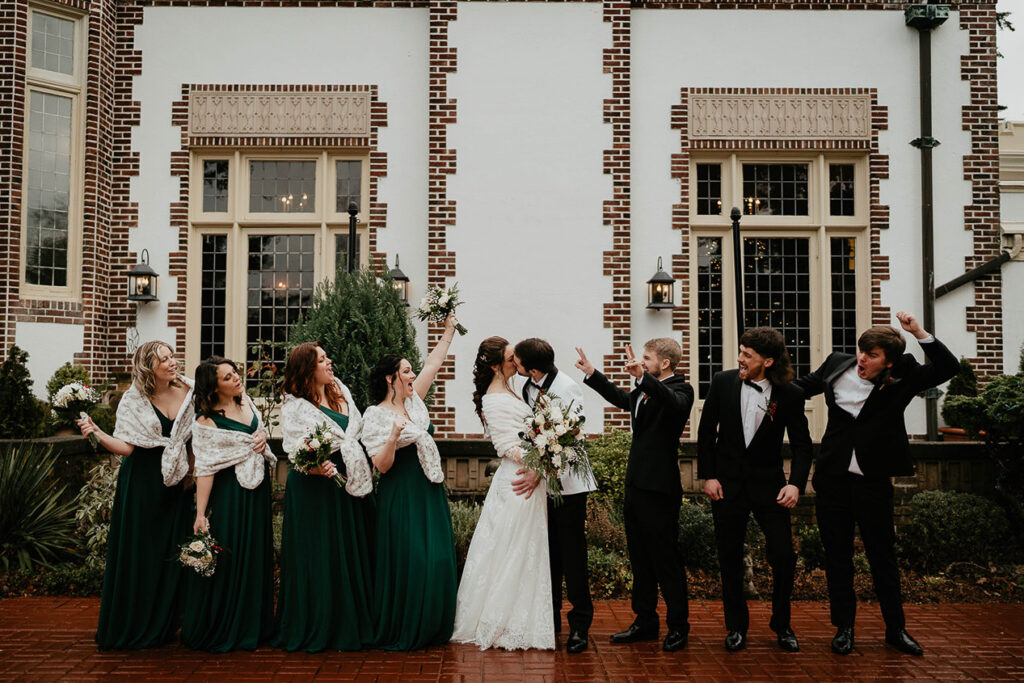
<point x="313" y="450"/>
<point x="200" y="553"/>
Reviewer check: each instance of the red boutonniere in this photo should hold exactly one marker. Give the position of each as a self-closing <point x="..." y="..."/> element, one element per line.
<point x="887" y="380"/>
<point x="769" y="408"/>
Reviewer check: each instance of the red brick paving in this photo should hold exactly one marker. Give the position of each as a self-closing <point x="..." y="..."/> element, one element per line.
<point x="51" y="638"/>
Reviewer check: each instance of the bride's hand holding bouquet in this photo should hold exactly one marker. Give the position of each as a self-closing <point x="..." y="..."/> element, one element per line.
<point x="553" y="442"/>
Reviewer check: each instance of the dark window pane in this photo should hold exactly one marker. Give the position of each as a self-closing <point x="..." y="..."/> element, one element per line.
<point x="349" y="185"/>
<point x="48" y="189"/>
<point x="215" y="186"/>
<point x="341" y="251"/>
<point x="282" y="186"/>
<point x="775" y="189"/>
<point x="840" y="187"/>
<point x="709" y="311"/>
<point x="844" y="294"/>
<point x="709" y="189"/>
<point x="214" y="286"/>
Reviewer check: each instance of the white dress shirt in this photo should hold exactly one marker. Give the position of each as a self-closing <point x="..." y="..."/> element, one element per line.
<point x="567" y="390"/>
<point x="753" y="405"/>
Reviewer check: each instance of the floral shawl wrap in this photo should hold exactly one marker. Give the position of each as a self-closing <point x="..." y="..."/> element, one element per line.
<point x="217" y="449"/>
<point x="377" y="428"/>
<point x="138" y="425"/>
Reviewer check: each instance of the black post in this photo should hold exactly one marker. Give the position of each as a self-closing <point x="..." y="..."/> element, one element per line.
<point x="352" y="211"/>
<point x="737" y="268"/>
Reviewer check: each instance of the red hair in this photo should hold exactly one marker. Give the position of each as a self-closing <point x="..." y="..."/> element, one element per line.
<point x="299" y="377"/>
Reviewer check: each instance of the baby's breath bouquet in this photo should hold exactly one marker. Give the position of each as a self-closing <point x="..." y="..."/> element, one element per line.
<point x="553" y="442"/>
<point x="313" y="450"/>
<point x="200" y="553"/>
<point x="72" y="402"/>
<point x="438" y="304"/>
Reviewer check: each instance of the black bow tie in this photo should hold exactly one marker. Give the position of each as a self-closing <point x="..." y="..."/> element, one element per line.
<point x="532" y="383"/>
<point x="753" y="385"/>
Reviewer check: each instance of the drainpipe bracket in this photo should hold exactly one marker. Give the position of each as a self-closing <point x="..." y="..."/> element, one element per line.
<point x="925" y="17"/>
<point x="927" y="142"/>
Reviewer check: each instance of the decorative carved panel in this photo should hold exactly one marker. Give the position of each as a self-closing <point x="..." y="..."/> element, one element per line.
<point x="759" y="117"/>
<point x="258" y="114"/>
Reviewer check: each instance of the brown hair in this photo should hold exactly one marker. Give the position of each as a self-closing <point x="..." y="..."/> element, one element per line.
<point x="143" y="376"/>
<point x="536" y="354"/>
<point x="666" y="348"/>
<point x="884" y="337"/>
<point x="490" y="353"/>
<point x="299" y="379"/>
<point x="768" y="342"/>
<point x="206" y="386"/>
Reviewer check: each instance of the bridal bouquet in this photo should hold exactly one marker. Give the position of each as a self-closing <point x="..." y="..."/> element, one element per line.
<point x="71" y="402"/>
<point x="314" y="448"/>
<point x="438" y="304"/>
<point x="553" y="442"/>
<point x="200" y="553"/>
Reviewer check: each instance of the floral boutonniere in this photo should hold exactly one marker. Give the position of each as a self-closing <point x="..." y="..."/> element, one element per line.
<point x="886" y="379"/>
<point x="769" y="408"/>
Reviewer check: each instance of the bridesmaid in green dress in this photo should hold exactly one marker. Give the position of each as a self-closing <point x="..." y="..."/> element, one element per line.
<point x="233" y="609"/>
<point x="141" y="604"/>
<point x="415" y="575"/>
<point x="325" y="601"/>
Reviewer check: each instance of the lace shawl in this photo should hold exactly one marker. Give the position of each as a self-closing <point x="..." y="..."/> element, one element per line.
<point x="377" y="424"/>
<point x="299" y="416"/>
<point x="217" y="449"/>
<point x="138" y="425"/>
<point x="505" y="415"/>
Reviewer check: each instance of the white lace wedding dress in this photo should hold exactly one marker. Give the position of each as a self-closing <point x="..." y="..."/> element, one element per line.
<point x="505" y="594"/>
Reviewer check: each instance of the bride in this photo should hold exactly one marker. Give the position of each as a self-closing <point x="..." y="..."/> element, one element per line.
<point x="504" y="597"/>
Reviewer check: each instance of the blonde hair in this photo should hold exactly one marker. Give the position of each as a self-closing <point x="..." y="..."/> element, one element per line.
<point x="666" y="348"/>
<point x="143" y="376"/>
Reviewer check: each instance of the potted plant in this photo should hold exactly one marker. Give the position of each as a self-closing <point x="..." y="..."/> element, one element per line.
<point x="964" y="383"/>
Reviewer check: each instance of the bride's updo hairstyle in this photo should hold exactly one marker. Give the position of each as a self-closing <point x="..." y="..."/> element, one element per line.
<point x="490" y="353"/>
<point x="380" y="388"/>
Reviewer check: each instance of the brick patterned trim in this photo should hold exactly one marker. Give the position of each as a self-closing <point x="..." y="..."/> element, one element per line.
<point x="878" y="165"/>
<point x="981" y="168"/>
<point x="179" y="210"/>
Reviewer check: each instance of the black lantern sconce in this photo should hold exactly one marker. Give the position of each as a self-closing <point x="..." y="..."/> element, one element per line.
<point x="660" y="290"/>
<point x="401" y="282"/>
<point x="142" y="281"/>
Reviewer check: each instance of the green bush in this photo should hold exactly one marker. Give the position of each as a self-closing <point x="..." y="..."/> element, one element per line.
<point x="465" y="515"/>
<point x="64" y="375"/>
<point x="610" y="573"/>
<point x="358" y="318"/>
<point x="810" y="549"/>
<point x="605" y="527"/>
<point x="697" y="536"/>
<point x="947" y="527"/>
<point x="95" y="505"/>
<point x="608" y="456"/>
<point x="65" y="580"/>
<point x="35" y="527"/>
<point x="23" y="416"/>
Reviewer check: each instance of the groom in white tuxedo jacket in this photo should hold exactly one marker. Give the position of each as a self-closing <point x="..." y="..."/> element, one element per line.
<point x="567" y="536"/>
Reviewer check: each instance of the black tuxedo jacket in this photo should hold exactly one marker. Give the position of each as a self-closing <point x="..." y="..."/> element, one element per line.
<point x="722" y="453"/>
<point x="879" y="433"/>
<point x="654" y="455"/>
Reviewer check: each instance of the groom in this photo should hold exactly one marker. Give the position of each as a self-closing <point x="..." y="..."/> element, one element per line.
<point x="567" y="535"/>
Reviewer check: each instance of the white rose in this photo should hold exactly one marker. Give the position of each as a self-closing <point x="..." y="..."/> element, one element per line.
<point x="541" y="441"/>
<point x="208" y="557"/>
<point x="314" y="444"/>
<point x="560" y="429"/>
<point x="443" y="299"/>
<point x="196" y="546"/>
<point x="556" y="415"/>
<point x="556" y="460"/>
<point x="424" y="304"/>
<point x="556" y="447"/>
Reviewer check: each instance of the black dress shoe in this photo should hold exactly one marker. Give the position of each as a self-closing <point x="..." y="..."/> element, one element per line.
<point x="902" y="641"/>
<point x="674" y="640"/>
<point x="577" y="642"/>
<point x="842" y="644"/>
<point x="634" y="634"/>
<point x="788" y="641"/>
<point x="736" y="640"/>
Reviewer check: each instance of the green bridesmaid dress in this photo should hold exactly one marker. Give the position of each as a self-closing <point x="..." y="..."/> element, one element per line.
<point x="415" y="583"/>
<point x="234" y="608"/>
<point x="141" y="603"/>
<point x="326" y="594"/>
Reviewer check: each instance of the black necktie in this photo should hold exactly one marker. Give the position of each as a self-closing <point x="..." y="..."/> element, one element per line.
<point x="753" y="385"/>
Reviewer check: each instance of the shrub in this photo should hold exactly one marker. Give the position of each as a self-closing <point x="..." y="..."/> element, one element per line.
<point x="947" y="527"/>
<point x="610" y="573"/>
<point x="66" y="374"/>
<point x="23" y="415"/>
<point x="608" y="455"/>
<point x="95" y="505"/>
<point x="358" y="318"/>
<point x="66" y="580"/>
<point x="605" y="527"/>
<point x="35" y="527"/>
<point x="697" y="536"/>
<point x="964" y="382"/>
<point x="465" y="515"/>
<point x="810" y="549"/>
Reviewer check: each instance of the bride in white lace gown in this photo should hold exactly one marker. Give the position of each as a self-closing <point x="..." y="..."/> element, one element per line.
<point x="504" y="597"/>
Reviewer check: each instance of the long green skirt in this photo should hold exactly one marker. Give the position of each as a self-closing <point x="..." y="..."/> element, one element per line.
<point x="234" y="608"/>
<point x="326" y="594"/>
<point x="141" y="603"/>
<point x="415" y="585"/>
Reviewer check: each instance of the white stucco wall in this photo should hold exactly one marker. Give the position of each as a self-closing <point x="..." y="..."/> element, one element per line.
<point x="49" y="346"/>
<point x="1011" y="206"/>
<point x="757" y="49"/>
<point x="530" y="182"/>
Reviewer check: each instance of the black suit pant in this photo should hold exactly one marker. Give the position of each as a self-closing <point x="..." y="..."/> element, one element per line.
<point x="730" y="532"/>
<point x="652" y="540"/>
<point x="867" y="502"/>
<point x="567" y="552"/>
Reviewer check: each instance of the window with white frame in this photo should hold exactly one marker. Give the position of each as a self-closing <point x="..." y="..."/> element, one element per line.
<point x="51" y="208"/>
<point x="804" y="246"/>
<point x="265" y="228"/>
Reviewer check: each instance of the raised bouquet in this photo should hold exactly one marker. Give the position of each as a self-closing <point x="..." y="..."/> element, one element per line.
<point x="313" y="450"/>
<point x="72" y="402"/>
<point x="438" y="304"/>
<point x="200" y="553"/>
<point x="553" y="442"/>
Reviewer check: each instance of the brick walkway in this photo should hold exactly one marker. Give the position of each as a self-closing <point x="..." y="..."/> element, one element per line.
<point x="49" y="638"/>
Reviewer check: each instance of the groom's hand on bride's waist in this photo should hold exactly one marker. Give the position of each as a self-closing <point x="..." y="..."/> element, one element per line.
<point x="526" y="483"/>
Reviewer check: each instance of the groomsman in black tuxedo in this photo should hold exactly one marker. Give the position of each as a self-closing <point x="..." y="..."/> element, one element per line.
<point x="659" y="406"/>
<point x="865" y="443"/>
<point x="739" y="455"/>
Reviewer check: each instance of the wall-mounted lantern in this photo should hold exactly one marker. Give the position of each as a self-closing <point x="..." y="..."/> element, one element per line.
<point x="142" y="281"/>
<point x="660" y="290"/>
<point x="401" y="282"/>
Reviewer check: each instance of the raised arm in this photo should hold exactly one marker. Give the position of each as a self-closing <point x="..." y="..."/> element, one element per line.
<point x="611" y="393"/>
<point x="812" y="383"/>
<point x="942" y="363"/>
<point x="436" y="358"/>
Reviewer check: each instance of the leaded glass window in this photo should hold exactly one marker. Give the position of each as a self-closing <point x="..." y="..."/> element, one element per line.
<point x="49" y="189"/>
<point x="775" y="189"/>
<point x="341" y="251"/>
<point x="282" y="186"/>
<point x="709" y="311"/>
<point x="349" y="185"/>
<point x="840" y="188"/>
<point x="213" y="295"/>
<point x="709" y="189"/>
<point x="215" y="186"/>
<point x="777" y="292"/>
<point x="844" y="294"/>
<point x="53" y="43"/>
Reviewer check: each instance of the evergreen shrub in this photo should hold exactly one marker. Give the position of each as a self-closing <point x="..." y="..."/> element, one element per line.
<point x="64" y="375"/>
<point x="608" y="455"/>
<point x="23" y="415"/>
<point x="947" y="527"/>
